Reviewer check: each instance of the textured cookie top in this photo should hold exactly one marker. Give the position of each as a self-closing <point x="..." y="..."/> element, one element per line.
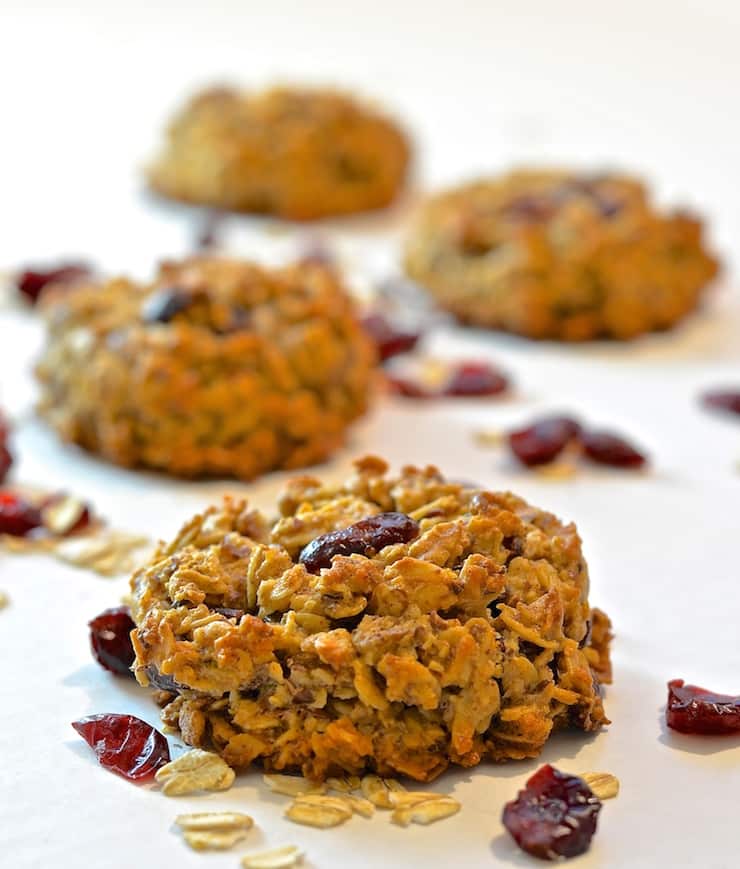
<point x="297" y="152"/>
<point x="369" y="604"/>
<point x="559" y="254"/>
<point x="478" y="216"/>
<point x="215" y="367"/>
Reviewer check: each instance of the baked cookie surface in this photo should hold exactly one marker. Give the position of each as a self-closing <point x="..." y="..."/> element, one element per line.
<point x="216" y="368"/>
<point x="294" y="153"/>
<point x="393" y="623"/>
<point x="551" y="254"/>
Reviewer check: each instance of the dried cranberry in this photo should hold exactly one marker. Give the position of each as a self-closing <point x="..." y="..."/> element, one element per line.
<point x="366" y="536"/>
<point x="691" y="709"/>
<point x="6" y="460"/>
<point x="727" y="400"/>
<point x="165" y="304"/>
<point x="543" y="440"/>
<point x="389" y="339"/>
<point x="110" y="640"/>
<point x="554" y="816"/>
<point x="17" y="515"/>
<point x="32" y="281"/>
<point x="125" y="744"/>
<point x="475" y="379"/>
<point x="609" y="449"/>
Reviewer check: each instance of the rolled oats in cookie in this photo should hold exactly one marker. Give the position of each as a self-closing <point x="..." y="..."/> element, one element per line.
<point x="297" y="153"/>
<point x="463" y="635"/>
<point x="555" y="254"/>
<point x="217" y="367"/>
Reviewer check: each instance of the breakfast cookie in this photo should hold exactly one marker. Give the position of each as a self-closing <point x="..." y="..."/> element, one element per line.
<point x="216" y="368"/>
<point x="294" y="153"/>
<point x="394" y="623"/>
<point x="551" y="254"/>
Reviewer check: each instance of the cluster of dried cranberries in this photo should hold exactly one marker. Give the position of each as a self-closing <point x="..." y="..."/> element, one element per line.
<point x="57" y="515"/>
<point x="463" y="380"/>
<point x="467" y="379"/>
<point x="546" y="438"/>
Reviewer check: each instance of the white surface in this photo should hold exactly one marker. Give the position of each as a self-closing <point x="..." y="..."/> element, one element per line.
<point x="652" y="86"/>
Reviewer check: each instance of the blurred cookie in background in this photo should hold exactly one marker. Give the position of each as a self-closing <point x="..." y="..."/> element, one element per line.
<point x="296" y="153"/>
<point x="217" y="367"/>
<point x="556" y="254"/>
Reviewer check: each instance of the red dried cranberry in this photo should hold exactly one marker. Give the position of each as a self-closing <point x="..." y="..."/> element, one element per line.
<point x="17" y="515"/>
<point x="32" y="281"/>
<point x="475" y="379"/>
<point x="543" y="440"/>
<point x="727" y="400"/>
<point x="110" y="640"/>
<point x="6" y="460"/>
<point x="609" y="449"/>
<point x="125" y="744"/>
<point x="554" y="816"/>
<point x="691" y="709"/>
<point x="366" y="536"/>
<point x="389" y="339"/>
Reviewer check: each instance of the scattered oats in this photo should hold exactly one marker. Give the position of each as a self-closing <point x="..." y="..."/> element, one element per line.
<point x="217" y="840"/>
<point x="562" y="470"/>
<point x="344" y="785"/>
<point x="603" y="784"/>
<point x="27" y="544"/>
<point x="360" y="806"/>
<point x="377" y="790"/>
<point x="401" y="800"/>
<point x="193" y="771"/>
<point x="394" y="784"/>
<point x="209" y="821"/>
<point x="275" y="858"/>
<point x="109" y="553"/>
<point x="426" y="812"/>
<point x="62" y="514"/>
<point x="486" y="438"/>
<point x="4" y="600"/>
<point x="315" y="810"/>
<point x="292" y="785"/>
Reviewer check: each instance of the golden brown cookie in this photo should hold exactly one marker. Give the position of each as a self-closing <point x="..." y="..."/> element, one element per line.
<point x="216" y="368"/>
<point x="551" y="254"/>
<point x="294" y="153"/>
<point x="393" y="623"/>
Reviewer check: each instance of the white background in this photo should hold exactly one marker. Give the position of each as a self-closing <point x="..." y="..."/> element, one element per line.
<point x="648" y="86"/>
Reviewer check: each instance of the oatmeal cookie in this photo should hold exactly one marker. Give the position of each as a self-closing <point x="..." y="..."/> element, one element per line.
<point x="216" y="368"/>
<point x="551" y="254"/>
<point x="394" y="623"/>
<point x="295" y="153"/>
